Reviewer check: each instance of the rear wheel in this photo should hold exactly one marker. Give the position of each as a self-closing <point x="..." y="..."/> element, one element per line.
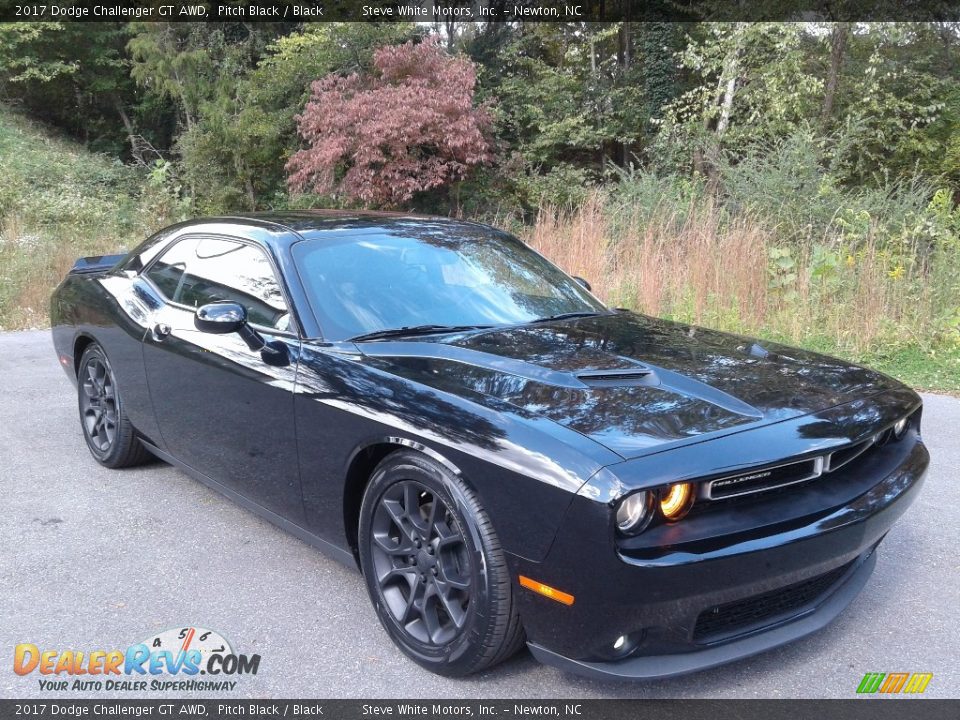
<point x="110" y="437"/>
<point x="434" y="568"/>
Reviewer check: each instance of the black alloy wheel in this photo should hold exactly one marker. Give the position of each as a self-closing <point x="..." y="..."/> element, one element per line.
<point x="98" y="404"/>
<point x="434" y="569"/>
<point x="111" y="438"/>
<point x="421" y="562"/>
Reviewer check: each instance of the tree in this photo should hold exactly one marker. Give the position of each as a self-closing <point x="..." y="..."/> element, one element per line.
<point x="899" y="100"/>
<point x="838" y="45"/>
<point x="572" y="98"/>
<point x="382" y="137"/>
<point x="26" y="53"/>
<point x="750" y="83"/>
<point x="262" y="125"/>
<point x="202" y="71"/>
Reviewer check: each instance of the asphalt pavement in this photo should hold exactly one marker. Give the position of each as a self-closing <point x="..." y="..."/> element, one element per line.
<point x="100" y="559"/>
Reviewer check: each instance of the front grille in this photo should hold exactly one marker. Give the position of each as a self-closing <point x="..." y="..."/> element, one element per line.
<point x="764" y="479"/>
<point x="754" y="611"/>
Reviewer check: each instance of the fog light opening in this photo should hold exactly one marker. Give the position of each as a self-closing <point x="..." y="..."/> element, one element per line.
<point x="676" y="501"/>
<point x="624" y="645"/>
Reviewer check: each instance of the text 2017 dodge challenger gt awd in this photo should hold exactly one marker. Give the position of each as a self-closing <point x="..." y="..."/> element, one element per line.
<point x="505" y="458"/>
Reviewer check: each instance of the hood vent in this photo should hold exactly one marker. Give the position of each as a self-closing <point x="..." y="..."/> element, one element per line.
<point x="617" y="378"/>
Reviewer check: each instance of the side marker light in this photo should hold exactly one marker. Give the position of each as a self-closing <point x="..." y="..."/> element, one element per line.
<point x="546" y="590"/>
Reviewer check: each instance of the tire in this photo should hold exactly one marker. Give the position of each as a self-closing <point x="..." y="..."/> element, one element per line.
<point x="109" y="435"/>
<point x="434" y="568"/>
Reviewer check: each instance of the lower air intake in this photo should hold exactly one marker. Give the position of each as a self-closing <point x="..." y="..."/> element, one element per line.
<point x="755" y="611"/>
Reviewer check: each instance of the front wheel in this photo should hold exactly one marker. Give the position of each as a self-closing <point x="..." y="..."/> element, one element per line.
<point x="110" y="437"/>
<point x="434" y="568"/>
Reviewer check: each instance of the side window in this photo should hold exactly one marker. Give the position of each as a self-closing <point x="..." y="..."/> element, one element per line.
<point x="167" y="272"/>
<point x="197" y="271"/>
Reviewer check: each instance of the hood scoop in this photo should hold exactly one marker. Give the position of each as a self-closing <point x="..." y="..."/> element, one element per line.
<point x="650" y="376"/>
<point x="626" y="377"/>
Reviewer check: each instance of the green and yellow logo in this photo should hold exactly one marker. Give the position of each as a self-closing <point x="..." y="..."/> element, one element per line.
<point x="892" y="683"/>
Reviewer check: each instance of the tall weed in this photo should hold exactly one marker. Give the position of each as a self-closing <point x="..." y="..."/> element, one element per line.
<point x="701" y="263"/>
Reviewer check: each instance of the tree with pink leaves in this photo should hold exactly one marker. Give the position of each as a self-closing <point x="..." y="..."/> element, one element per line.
<point x="408" y="126"/>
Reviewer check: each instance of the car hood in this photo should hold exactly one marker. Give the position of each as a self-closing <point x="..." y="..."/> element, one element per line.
<point x="631" y="382"/>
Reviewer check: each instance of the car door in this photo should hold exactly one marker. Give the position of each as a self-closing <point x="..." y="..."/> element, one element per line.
<point x="222" y="408"/>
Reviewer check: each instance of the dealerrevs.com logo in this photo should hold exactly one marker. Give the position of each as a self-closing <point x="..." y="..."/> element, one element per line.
<point x="173" y="660"/>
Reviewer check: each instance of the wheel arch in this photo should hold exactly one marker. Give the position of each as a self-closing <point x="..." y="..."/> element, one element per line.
<point x="80" y="344"/>
<point x="363" y="462"/>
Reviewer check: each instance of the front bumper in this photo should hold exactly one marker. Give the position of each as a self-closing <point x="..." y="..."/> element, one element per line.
<point x="660" y="666"/>
<point x="671" y="602"/>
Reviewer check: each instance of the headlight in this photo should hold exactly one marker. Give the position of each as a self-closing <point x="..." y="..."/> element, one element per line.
<point x="676" y="501"/>
<point x="900" y="428"/>
<point x="634" y="512"/>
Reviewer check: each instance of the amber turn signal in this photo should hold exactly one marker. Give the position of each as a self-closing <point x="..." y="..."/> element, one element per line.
<point x="676" y="501"/>
<point x="546" y="590"/>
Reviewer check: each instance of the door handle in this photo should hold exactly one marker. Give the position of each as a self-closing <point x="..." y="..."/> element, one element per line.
<point x="160" y="331"/>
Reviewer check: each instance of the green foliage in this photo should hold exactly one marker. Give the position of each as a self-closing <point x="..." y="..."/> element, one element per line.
<point x="27" y="53"/>
<point x="783" y="272"/>
<point x="896" y="106"/>
<point x="570" y="98"/>
<point x="898" y="83"/>
<point x="50" y="183"/>
<point x="163" y="194"/>
<point x="564" y="185"/>
<point x="752" y="82"/>
<point x="543" y="105"/>
<point x="644" y="194"/>
<point x="792" y="182"/>
<point x="947" y="218"/>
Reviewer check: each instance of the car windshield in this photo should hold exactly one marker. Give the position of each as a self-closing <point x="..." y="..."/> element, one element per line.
<point x="430" y="274"/>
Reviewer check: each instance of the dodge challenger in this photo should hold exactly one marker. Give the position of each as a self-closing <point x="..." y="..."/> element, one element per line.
<point x="506" y="460"/>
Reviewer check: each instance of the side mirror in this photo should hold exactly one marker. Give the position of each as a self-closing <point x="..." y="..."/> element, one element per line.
<point x="220" y="318"/>
<point x="223" y="318"/>
<point x="583" y="282"/>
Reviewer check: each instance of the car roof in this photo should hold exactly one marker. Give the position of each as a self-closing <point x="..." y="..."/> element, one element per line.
<point x="316" y="224"/>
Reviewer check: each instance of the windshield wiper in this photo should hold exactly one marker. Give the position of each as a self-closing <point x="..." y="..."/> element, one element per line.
<point x="415" y="330"/>
<point x="564" y="316"/>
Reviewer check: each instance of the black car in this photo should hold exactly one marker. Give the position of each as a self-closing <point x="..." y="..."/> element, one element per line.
<point x="506" y="459"/>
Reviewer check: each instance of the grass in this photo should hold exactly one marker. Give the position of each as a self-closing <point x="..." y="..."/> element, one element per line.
<point x="936" y="370"/>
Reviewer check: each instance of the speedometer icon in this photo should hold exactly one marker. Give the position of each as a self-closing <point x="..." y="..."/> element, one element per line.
<point x="183" y="639"/>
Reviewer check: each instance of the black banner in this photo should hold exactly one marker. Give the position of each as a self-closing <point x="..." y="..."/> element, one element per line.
<point x="476" y="10"/>
<point x="863" y="709"/>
